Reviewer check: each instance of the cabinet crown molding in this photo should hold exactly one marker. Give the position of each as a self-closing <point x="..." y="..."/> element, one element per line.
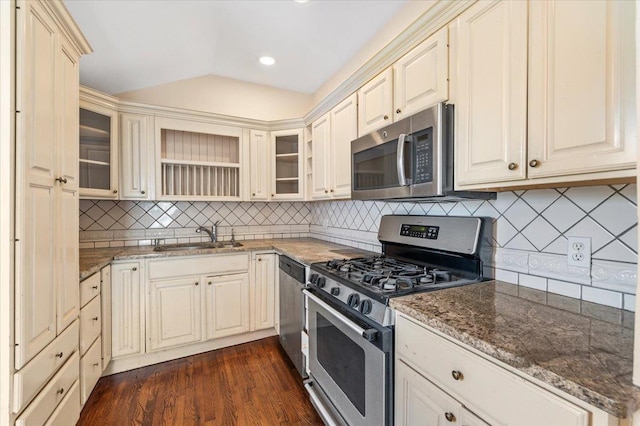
<point x="68" y="25"/>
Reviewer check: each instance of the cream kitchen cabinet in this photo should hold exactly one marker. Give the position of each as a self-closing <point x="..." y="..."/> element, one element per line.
<point x="259" y="152"/>
<point x="136" y="157"/>
<point x="287" y="167"/>
<point x="126" y="310"/>
<point x="227" y="305"/>
<point x="175" y="313"/>
<point x="46" y="290"/>
<point x="438" y="375"/>
<point x="415" y="82"/>
<point x="105" y="299"/>
<point x="264" y="291"/>
<point x="551" y="105"/>
<point x="331" y="138"/>
<point x="98" y="154"/>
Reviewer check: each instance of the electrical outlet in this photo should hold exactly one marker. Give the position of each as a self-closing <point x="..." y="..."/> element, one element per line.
<point x="579" y="252"/>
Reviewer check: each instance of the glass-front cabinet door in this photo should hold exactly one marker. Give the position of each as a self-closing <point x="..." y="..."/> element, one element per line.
<point x="287" y="171"/>
<point x="98" y="151"/>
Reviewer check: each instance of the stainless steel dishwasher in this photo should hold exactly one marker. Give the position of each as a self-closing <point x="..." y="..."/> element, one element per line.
<point x="292" y="281"/>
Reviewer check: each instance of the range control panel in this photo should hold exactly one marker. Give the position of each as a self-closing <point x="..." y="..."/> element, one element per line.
<point x="420" y="231"/>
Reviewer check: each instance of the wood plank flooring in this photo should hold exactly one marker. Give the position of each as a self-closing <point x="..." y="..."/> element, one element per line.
<point x="249" y="384"/>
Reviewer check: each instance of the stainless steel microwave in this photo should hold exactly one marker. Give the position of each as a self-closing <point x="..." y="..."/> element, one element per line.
<point x="409" y="159"/>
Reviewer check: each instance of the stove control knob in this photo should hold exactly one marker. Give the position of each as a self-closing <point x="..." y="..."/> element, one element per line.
<point x="353" y="300"/>
<point x="313" y="278"/>
<point x="365" y="307"/>
<point x="321" y="282"/>
<point x="335" y="291"/>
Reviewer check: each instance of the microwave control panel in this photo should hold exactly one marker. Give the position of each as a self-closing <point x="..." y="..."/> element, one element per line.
<point x="423" y="156"/>
<point x="420" y="231"/>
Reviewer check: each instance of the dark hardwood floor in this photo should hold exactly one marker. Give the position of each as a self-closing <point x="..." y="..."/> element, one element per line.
<point x="249" y="384"/>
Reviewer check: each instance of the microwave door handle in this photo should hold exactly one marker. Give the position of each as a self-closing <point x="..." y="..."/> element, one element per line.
<point x="402" y="179"/>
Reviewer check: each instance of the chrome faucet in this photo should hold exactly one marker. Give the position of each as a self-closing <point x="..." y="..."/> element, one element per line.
<point x="213" y="233"/>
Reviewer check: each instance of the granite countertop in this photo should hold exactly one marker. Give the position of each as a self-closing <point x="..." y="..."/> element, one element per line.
<point x="304" y="250"/>
<point x="581" y="348"/>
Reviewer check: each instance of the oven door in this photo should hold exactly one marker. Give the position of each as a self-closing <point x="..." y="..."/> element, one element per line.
<point x="350" y="361"/>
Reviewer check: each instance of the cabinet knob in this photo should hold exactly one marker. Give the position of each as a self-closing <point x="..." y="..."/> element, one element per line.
<point x="60" y="391"/>
<point x="272" y="195"/>
<point x="143" y="192"/>
<point x="513" y="166"/>
<point x="259" y="259"/>
<point x="95" y="319"/>
<point x="95" y="364"/>
<point x="134" y="269"/>
<point x="398" y="111"/>
<point x="450" y="417"/>
<point x="59" y="354"/>
<point x="332" y="190"/>
<point x="386" y="117"/>
<point x="534" y="163"/>
<point x="61" y="180"/>
<point x="253" y="195"/>
<point x="326" y="192"/>
<point x="209" y="283"/>
<point x="115" y="191"/>
<point x="197" y="283"/>
<point x="456" y="375"/>
<point x="95" y="287"/>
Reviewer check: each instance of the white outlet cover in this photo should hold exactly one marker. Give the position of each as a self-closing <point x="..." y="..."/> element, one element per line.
<point x="585" y="261"/>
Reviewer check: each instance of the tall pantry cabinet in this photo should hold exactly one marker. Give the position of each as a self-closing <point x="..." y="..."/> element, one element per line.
<point x="48" y="48"/>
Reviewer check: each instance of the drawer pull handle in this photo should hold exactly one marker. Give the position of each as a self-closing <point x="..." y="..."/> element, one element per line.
<point x="386" y="117"/>
<point x="59" y="354"/>
<point x="457" y="375"/>
<point x="61" y="180"/>
<point x="95" y="287"/>
<point x="95" y="319"/>
<point x="95" y="364"/>
<point x="450" y="417"/>
<point x="60" y="391"/>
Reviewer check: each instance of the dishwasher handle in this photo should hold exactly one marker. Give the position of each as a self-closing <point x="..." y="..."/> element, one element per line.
<point x="292" y="268"/>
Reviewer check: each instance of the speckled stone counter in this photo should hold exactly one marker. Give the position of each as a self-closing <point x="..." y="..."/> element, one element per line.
<point x="304" y="250"/>
<point x="581" y="348"/>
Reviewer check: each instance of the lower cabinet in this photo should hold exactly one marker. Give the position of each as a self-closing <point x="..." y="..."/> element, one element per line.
<point x="227" y="305"/>
<point x="175" y="313"/>
<point x="170" y="303"/>
<point x="440" y="382"/>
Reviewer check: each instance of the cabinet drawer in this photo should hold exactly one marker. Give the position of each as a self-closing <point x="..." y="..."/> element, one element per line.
<point x="89" y="288"/>
<point x="493" y="392"/>
<point x="90" y="370"/>
<point x="201" y="265"/>
<point x="68" y="412"/>
<point x="90" y="324"/>
<point x="53" y="393"/>
<point x="33" y="376"/>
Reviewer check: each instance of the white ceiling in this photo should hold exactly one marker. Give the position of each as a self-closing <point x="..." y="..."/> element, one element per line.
<point x="144" y="43"/>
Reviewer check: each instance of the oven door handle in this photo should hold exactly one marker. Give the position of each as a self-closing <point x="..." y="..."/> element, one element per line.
<point x="402" y="178"/>
<point x="369" y="334"/>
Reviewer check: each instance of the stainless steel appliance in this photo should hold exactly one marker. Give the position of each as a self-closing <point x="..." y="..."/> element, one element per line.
<point x="350" y="323"/>
<point x="292" y="281"/>
<point x="409" y="159"/>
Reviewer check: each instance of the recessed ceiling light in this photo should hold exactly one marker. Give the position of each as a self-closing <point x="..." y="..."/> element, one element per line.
<point x="301" y="1"/>
<point x="267" y="60"/>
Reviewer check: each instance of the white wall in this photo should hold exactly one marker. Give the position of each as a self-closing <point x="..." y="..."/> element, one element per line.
<point x="226" y="96"/>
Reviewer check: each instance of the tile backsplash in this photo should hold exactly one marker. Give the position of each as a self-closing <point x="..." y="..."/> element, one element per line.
<point x="530" y="241"/>
<point x="531" y="227"/>
<point x="120" y="223"/>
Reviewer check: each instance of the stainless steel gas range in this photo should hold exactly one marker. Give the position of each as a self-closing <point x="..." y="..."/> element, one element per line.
<point x="350" y="323"/>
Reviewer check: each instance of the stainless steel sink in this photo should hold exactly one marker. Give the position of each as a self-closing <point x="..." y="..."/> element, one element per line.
<point x="198" y="246"/>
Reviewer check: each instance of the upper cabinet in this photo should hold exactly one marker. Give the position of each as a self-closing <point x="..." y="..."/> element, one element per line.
<point x="260" y="165"/>
<point x="287" y="181"/>
<point x="98" y="150"/>
<point x="331" y="159"/>
<point x="197" y="160"/>
<point x="415" y="82"/>
<point x="553" y="104"/>
<point x="136" y="157"/>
